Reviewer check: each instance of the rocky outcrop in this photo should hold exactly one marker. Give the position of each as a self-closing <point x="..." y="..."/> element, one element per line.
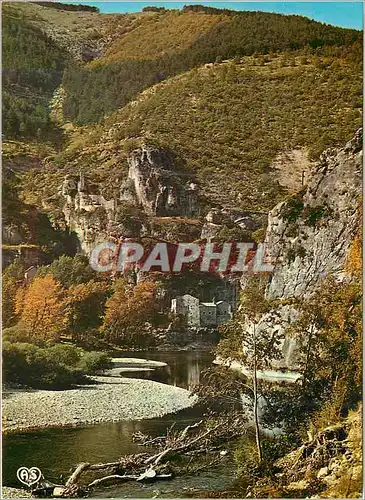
<point x="155" y="187"/>
<point x="80" y="195"/>
<point x="87" y="214"/>
<point x="155" y="184"/>
<point x="219" y="219"/>
<point x="309" y="235"/>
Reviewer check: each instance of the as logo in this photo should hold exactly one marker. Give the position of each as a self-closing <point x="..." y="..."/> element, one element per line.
<point x="29" y="476"/>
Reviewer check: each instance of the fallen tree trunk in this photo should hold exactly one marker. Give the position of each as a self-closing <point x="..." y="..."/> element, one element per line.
<point x="191" y="441"/>
<point x="113" y="477"/>
<point x="125" y="477"/>
<point x="76" y="474"/>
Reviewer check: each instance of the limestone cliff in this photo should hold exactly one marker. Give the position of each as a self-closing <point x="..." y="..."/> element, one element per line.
<point x="86" y="213"/>
<point x="156" y="186"/>
<point x="309" y="235"/>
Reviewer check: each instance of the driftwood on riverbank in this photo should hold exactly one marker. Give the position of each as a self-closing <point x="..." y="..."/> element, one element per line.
<point x="202" y="439"/>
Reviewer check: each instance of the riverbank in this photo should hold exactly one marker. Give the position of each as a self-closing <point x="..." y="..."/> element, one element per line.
<point x="274" y="376"/>
<point x="109" y="400"/>
<point x="7" y="492"/>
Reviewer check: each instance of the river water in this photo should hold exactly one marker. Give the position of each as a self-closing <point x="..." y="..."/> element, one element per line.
<point x="57" y="451"/>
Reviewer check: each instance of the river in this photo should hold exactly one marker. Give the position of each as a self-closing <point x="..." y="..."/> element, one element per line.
<point x="57" y="451"/>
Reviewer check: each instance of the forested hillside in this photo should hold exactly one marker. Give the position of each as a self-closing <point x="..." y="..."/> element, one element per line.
<point x="166" y="43"/>
<point x="230" y="121"/>
<point x="68" y="7"/>
<point x="32" y="69"/>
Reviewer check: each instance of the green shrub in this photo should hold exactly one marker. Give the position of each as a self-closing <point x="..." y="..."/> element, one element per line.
<point x="249" y="469"/>
<point x="37" y="367"/>
<point x="15" y="334"/>
<point x="68" y="355"/>
<point x="69" y="270"/>
<point x="15" y="360"/>
<point x="278" y="446"/>
<point x="56" y="367"/>
<point x="94" y="362"/>
<point x="290" y="255"/>
<point x="293" y="208"/>
<point x="58" y="377"/>
<point x="234" y="234"/>
<point x="246" y="457"/>
<point x="259" y="235"/>
<point x="315" y="214"/>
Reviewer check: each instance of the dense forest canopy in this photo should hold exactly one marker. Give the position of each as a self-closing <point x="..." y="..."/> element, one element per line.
<point x="136" y="60"/>
<point x="32" y="68"/>
<point x="69" y="7"/>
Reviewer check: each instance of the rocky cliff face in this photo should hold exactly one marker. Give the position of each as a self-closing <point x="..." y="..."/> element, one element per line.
<point x="155" y="184"/>
<point x="309" y="235"/>
<point x="86" y="213"/>
<point x="155" y="187"/>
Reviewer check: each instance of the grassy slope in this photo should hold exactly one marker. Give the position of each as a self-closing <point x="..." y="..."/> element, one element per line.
<point x="158" y="35"/>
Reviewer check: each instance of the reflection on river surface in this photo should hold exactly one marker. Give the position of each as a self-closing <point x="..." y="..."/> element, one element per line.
<point x="57" y="451"/>
<point x="183" y="367"/>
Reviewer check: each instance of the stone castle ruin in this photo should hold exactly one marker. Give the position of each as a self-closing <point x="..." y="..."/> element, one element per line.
<point x="200" y="314"/>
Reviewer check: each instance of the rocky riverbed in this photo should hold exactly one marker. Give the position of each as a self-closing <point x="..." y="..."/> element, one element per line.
<point x="109" y="400"/>
<point x="14" y="493"/>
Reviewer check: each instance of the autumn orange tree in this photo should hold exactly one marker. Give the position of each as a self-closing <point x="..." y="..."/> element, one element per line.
<point x="85" y="306"/>
<point x="127" y="311"/>
<point x="41" y="308"/>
